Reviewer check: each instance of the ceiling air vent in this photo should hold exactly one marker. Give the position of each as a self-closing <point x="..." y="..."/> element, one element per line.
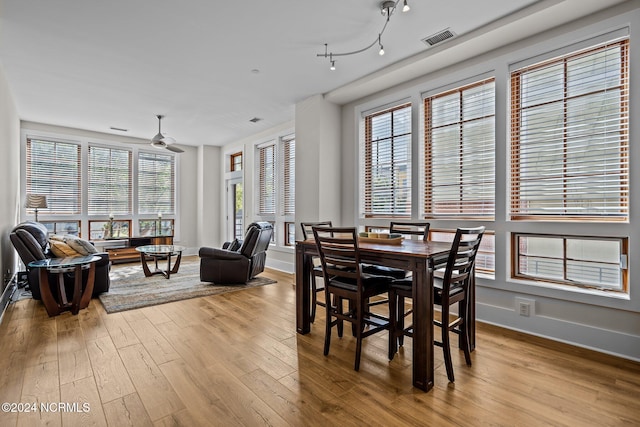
<point x="439" y="37"/>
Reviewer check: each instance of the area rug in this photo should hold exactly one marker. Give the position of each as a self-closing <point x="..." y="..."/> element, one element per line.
<point x="130" y="289"/>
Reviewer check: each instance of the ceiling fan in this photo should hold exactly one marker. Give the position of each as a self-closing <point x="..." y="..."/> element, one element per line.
<point x="161" y="141"/>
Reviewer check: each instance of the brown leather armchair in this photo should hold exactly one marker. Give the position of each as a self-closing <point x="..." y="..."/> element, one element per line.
<point x="224" y="266"/>
<point x="31" y="242"/>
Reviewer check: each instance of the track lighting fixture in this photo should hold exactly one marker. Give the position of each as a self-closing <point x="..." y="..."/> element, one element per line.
<point x="386" y="9"/>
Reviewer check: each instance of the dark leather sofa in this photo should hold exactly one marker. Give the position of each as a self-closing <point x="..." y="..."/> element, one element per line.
<point x="237" y="265"/>
<point x="31" y="242"/>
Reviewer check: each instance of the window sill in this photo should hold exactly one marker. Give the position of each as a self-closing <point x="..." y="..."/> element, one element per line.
<point x="609" y="299"/>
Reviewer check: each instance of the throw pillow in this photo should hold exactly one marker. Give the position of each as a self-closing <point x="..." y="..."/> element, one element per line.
<point x="83" y="247"/>
<point x="234" y="246"/>
<point x="61" y="249"/>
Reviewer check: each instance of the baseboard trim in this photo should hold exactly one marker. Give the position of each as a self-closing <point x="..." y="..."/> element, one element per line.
<point x="606" y="341"/>
<point x="5" y="299"/>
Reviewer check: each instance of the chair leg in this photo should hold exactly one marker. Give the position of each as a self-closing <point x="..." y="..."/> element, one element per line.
<point x="393" y="325"/>
<point x="314" y="298"/>
<point x="400" y="322"/>
<point x="446" y="345"/>
<point x="339" y="309"/>
<point x="464" y="330"/>
<point x="354" y="329"/>
<point x="359" y="324"/>
<point x="327" y="331"/>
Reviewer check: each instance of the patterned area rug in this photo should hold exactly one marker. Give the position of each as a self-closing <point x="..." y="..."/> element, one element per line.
<point x="130" y="289"/>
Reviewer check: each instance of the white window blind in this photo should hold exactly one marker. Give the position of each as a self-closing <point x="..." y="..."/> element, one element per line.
<point x="156" y="183"/>
<point x="459" y="168"/>
<point x="569" y="136"/>
<point x="53" y="169"/>
<point x="267" y="180"/>
<point x="387" y="163"/>
<point x="109" y="181"/>
<point x="289" y="148"/>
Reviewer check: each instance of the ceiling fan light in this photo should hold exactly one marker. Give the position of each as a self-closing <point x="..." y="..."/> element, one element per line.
<point x="406" y="7"/>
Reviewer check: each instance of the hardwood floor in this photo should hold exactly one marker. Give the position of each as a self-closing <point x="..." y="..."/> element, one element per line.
<point x="235" y="359"/>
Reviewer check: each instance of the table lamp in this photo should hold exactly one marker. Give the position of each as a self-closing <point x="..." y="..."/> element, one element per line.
<point x="36" y="201"/>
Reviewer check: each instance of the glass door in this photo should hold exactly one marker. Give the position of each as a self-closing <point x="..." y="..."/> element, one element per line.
<point x="235" y="208"/>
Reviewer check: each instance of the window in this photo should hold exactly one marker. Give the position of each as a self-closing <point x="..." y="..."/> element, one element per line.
<point x="62" y="227"/>
<point x="109" y="182"/>
<point x="289" y="176"/>
<point x="276" y="163"/>
<point x="460" y="152"/>
<point x="573" y="260"/>
<point x="156" y="183"/>
<point x="569" y="136"/>
<point x="114" y="229"/>
<point x="267" y="180"/>
<point x="236" y="162"/>
<point x="387" y="163"/>
<point x="53" y="169"/>
<point x="290" y="230"/>
<point x="155" y="227"/>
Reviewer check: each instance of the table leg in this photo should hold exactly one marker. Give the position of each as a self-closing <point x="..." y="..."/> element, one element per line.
<point x="145" y="267"/>
<point x="88" y="289"/>
<point x="423" y="376"/>
<point x="50" y="304"/>
<point x="77" y="289"/>
<point x="176" y="265"/>
<point x="168" y="272"/>
<point x="303" y="297"/>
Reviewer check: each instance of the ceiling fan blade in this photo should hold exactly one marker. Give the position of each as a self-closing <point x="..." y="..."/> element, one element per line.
<point x="168" y="140"/>
<point x="174" y="149"/>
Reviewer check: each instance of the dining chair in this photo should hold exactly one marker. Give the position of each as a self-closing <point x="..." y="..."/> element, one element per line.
<point x="344" y="280"/>
<point x="420" y="229"/>
<point x="451" y="286"/>
<point x="314" y="267"/>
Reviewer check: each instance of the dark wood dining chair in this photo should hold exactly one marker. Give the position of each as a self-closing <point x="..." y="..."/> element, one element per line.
<point x="315" y="268"/>
<point x="451" y="286"/>
<point x="420" y="229"/>
<point x="344" y="280"/>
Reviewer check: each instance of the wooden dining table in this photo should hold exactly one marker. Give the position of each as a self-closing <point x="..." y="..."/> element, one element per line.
<point x="418" y="256"/>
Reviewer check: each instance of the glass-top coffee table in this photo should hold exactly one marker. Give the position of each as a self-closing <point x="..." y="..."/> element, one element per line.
<point x="158" y="252"/>
<point x="59" y="266"/>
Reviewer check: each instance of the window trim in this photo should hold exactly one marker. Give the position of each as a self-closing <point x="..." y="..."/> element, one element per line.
<point x="366" y="154"/>
<point x="515" y="255"/>
<point x="515" y="213"/>
<point x="427" y="172"/>
<point x="232" y="160"/>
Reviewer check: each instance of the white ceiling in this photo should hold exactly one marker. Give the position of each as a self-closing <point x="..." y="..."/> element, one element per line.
<point x="94" y="64"/>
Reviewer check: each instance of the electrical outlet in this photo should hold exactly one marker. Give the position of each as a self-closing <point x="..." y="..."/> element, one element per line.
<point x="525" y="307"/>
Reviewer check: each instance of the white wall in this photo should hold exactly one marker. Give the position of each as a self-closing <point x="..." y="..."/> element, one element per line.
<point x="9" y="176"/>
<point x="210" y="199"/>
<point x="589" y="319"/>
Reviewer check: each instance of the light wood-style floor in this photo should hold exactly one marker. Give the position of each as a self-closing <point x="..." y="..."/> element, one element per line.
<point x="235" y="359"/>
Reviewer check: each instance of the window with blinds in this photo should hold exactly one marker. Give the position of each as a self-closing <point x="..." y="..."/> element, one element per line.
<point x="459" y="168"/>
<point x="569" y="136"/>
<point x="387" y="163"/>
<point x="267" y="180"/>
<point x="109" y="181"/>
<point x="289" y="148"/>
<point x="156" y="183"/>
<point x="53" y="169"/>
